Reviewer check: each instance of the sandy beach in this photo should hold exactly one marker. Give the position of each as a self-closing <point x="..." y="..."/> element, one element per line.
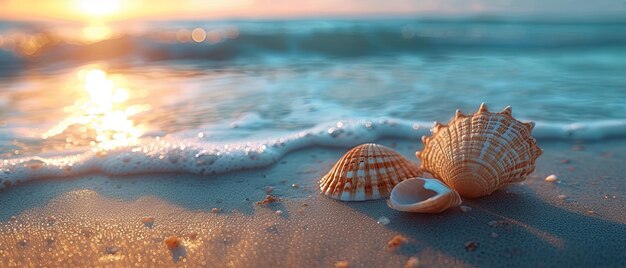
<point x="195" y="133"/>
<point x="95" y="220"/>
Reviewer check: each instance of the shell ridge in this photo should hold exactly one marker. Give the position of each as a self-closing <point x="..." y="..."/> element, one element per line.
<point x="339" y="178"/>
<point x="390" y="170"/>
<point x="360" y="173"/>
<point x="492" y="148"/>
<point x="379" y="158"/>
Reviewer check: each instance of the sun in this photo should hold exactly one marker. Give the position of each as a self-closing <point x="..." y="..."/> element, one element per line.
<point x="98" y="7"/>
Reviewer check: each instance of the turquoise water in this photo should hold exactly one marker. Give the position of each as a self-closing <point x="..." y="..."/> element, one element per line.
<point x="255" y="90"/>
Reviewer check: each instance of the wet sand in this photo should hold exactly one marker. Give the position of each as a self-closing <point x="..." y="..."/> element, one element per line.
<point x="94" y="220"/>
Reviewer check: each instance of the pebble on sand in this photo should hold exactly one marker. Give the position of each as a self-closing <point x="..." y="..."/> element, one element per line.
<point x="571" y="169"/>
<point x="192" y="235"/>
<point x="279" y="212"/>
<point x="342" y="264"/>
<point x="295" y="185"/>
<point x="551" y="178"/>
<point x="216" y="210"/>
<point x="112" y="250"/>
<point x="471" y="245"/>
<point x="412" y="262"/>
<point x="396" y="242"/>
<point x="465" y="208"/>
<point x="383" y="220"/>
<point x="172" y="242"/>
<point x="561" y="196"/>
<point x="147" y="220"/>
<point x="268" y="199"/>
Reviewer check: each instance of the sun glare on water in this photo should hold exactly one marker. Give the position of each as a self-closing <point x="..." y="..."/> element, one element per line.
<point x="102" y="112"/>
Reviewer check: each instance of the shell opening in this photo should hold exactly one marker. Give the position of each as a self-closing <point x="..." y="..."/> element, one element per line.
<point x="414" y="191"/>
<point x="423" y="196"/>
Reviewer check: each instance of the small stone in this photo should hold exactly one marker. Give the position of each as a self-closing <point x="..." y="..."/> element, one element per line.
<point x="551" y="178"/>
<point x="172" y="242"/>
<point x="342" y="264"/>
<point x="561" y="196"/>
<point x="494" y="234"/>
<point x="565" y="161"/>
<point x="412" y="262"/>
<point x="279" y="212"/>
<point x="268" y="199"/>
<point x="13" y="219"/>
<point x="112" y="250"/>
<point x="465" y="208"/>
<point x="22" y="243"/>
<point x="216" y="210"/>
<point x="269" y="189"/>
<point x="295" y="185"/>
<point x="34" y="164"/>
<point x="471" y="246"/>
<point x="148" y="220"/>
<point x="500" y="223"/>
<point x="192" y="235"/>
<point x="396" y="242"/>
<point x="383" y="220"/>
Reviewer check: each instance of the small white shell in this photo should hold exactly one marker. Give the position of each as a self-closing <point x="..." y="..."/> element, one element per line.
<point x="366" y="172"/>
<point x="423" y="196"/>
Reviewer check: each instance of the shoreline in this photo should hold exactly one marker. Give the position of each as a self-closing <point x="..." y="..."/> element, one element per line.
<point x="533" y="224"/>
<point x="189" y="153"/>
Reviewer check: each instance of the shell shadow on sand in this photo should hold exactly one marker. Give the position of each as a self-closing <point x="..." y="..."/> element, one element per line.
<point x="511" y="230"/>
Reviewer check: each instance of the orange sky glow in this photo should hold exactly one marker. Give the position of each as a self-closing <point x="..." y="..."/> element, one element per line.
<point x="111" y="10"/>
<point x="164" y="9"/>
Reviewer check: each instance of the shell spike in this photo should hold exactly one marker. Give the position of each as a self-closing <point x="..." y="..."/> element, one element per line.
<point x="458" y="114"/>
<point x="418" y="154"/>
<point x="483" y="108"/>
<point x="436" y="127"/>
<point x="507" y="111"/>
<point x="478" y="170"/>
<point x="424" y="139"/>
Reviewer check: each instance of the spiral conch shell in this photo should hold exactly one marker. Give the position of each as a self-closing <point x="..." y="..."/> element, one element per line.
<point x="480" y="153"/>
<point x="423" y="195"/>
<point x="366" y="172"/>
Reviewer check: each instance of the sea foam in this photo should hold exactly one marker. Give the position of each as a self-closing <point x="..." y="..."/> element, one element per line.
<point x="193" y="152"/>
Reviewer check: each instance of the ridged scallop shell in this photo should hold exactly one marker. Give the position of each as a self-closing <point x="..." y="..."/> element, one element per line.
<point x="423" y="196"/>
<point x="480" y="153"/>
<point x="366" y="172"/>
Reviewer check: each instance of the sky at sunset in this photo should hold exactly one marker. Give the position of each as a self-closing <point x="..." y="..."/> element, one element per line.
<point x="81" y="10"/>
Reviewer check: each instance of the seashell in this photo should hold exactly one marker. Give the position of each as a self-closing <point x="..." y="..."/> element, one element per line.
<point x="423" y="195"/>
<point x="480" y="153"/>
<point x="368" y="171"/>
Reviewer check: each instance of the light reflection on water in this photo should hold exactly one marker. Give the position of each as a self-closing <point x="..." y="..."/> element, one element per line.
<point x="107" y="109"/>
<point x="100" y="116"/>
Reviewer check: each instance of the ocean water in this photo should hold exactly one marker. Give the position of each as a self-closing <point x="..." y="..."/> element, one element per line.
<point x="146" y="97"/>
